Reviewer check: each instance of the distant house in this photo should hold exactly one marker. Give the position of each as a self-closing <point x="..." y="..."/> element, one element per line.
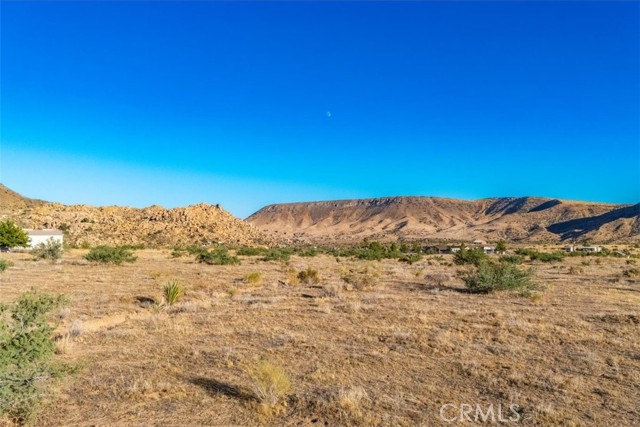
<point x="570" y="248"/>
<point x="40" y="236"/>
<point x="489" y="249"/>
<point x="591" y="249"/>
<point x="479" y="242"/>
<point x="439" y="249"/>
<point x="455" y="249"/>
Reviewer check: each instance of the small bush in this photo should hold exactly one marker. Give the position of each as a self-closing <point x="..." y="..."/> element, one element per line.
<point x="309" y="276"/>
<point x="361" y="279"/>
<point x="250" y="251"/>
<point x="292" y="276"/>
<point x="51" y="249"/>
<point x="110" y="255"/>
<point x="437" y="279"/>
<point x="278" y="254"/>
<point x="26" y="346"/>
<point x="410" y="258"/>
<point x="308" y="252"/>
<point x="217" y="257"/>
<point x="535" y="255"/>
<point x="4" y="264"/>
<point x="512" y="259"/>
<point x="172" y="292"/>
<point x="195" y="249"/>
<point x="548" y="256"/>
<point x="253" y="278"/>
<point x="490" y="277"/>
<point x="177" y="252"/>
<point x="470" y="256"/>
<point x="270" y="383"/>
<point x="375" y="251"/>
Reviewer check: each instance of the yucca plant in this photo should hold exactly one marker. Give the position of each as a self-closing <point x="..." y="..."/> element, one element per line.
<point x="172" y="292"/>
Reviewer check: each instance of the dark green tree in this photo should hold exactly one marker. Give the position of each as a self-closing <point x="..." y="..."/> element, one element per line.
<point x="501" y="247"/>
<point x="12" y="236"/>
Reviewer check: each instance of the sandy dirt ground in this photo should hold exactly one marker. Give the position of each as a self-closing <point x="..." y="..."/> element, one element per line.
<point x="409" y="349"/>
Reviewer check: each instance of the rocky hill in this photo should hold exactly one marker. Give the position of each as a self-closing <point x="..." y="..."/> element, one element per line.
<point x="116" y="225"/>
<point x="523" y="219"/>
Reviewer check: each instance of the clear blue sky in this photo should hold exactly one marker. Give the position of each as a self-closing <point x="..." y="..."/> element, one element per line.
<point x="246" y="104"/>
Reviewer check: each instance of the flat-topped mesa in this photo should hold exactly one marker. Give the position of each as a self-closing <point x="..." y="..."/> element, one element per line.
<point x="524" y="219"/>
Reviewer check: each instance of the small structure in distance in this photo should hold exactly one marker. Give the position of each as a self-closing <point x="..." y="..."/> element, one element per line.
<point x="37" y="237"/>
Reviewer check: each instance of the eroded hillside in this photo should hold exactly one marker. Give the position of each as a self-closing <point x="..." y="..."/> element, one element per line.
<point x="533" y="219"/>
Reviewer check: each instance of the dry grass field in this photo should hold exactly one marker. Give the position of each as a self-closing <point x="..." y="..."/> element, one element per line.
<point x="390" y="348"/>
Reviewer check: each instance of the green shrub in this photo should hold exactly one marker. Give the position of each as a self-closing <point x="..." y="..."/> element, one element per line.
<point x="491" y="276"/>
<point x="410" y="258"/>
<point x="195" y="249"/>
<point x="12" y="236"/>
<point x="217" y="257"/>
<point x="308" y="252"/>
<point x="547" y="256"/>
<point x="512" y="259"/>
<point x="4" y="264"/>
<point x="309" y="276"/>
<point x="250" y="251"/>
<point x="278" y="254"/>
<point x="172" y="292"/>
<point x="469" y="256"/>
<point x="177" y="252"/>
<point x="535" y="255"/>
<point x="26" y="346"/>
<point x="110" y="255"/>
<point x="51" y="249"/>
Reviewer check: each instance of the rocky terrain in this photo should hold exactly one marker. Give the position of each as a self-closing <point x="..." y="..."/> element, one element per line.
<point x="524" y="219"/>
<point x="116" y="225"/>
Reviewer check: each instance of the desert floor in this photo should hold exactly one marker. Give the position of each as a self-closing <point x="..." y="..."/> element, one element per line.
<point x="391" y="354"/>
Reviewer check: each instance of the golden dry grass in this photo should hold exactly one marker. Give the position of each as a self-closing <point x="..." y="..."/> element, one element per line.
<point x="391" y="353"/>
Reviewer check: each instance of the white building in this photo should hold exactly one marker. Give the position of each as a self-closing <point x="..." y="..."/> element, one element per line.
<point x="41" y="236"/>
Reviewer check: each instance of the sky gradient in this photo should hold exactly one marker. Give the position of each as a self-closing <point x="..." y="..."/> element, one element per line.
<point x="247" y="104"/>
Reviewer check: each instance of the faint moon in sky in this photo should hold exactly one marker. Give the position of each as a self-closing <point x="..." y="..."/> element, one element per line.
<point x="328" y="113"/>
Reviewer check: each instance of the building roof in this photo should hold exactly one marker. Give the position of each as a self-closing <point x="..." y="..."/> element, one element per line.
<point x="44" y="232"/>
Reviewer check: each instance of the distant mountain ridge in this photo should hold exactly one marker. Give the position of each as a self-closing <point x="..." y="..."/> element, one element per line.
<point x="521" y="219"/>
<point x="118" y="225"/>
